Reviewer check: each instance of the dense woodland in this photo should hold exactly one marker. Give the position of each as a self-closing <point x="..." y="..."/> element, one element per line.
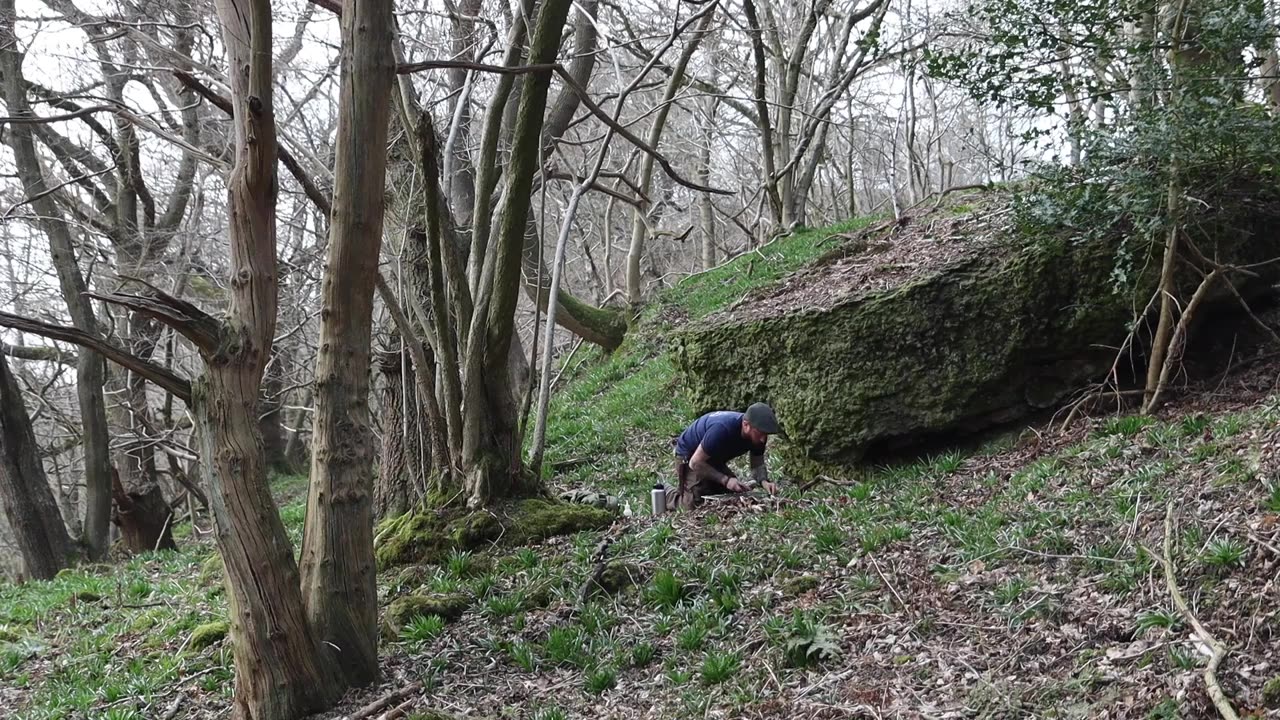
<point x="369" y="242"/>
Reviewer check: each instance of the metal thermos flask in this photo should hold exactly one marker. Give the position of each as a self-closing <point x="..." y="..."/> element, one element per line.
<point x="658" y="499"/>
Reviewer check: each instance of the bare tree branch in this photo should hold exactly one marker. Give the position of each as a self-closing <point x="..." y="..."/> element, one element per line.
<point x="161" y="376"/>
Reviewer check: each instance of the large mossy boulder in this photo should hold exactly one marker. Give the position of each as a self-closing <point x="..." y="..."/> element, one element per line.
<point x="429" y="536"/>
<point x="989" y="333"/>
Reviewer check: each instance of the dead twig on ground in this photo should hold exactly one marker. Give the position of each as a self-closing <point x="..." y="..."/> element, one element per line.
<point x="825" y="479"/>
<point x="1219" y="698"/>
<point x="385" y="700"/>
<point x="399" y="710"/>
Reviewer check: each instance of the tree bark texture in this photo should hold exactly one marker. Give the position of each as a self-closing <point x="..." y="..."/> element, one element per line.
<point x="405" y="463"/>
<point x="25" y="497"/>
<point x="281" y="670"/>
<point x="490" y="451"/>
<point x="90" y="368"/>
<point x="338" y="571"/>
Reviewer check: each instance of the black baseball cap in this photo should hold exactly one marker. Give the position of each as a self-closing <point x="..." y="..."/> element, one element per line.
<point x="761" y="417"/>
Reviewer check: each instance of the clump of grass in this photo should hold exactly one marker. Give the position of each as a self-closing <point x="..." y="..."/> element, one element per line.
<point x="666" y="591"/>
<point x="949" y="463"/>
<point x="504" y="605"/>
<point x="522" y="655"/>
<point x="1126" y="426"/>
<point x="1224" y="553"/>
<point x="460" y="563"/>
<point x="564" y="646"/>
<point x="601" y="680"/>
<point x="422" y="628"/>
<point x="551" y="714"/>
<point x="527" y="558"/>
<point x="1156" y="619"/>
<point x="1009" y="592"/>
<point x="718" y="667"/>
<point x="1194" y="424"/>
<point x="1272" y="503"/>
<point x="692" y="637"/>
<point x="828" y="538"/>
<point x="642" y="654"/>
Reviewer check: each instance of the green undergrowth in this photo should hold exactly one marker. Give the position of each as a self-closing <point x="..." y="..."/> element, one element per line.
<point x="611" y="425"/>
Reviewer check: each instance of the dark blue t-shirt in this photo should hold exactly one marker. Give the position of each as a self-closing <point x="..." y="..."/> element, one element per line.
<point x="720" y="435"/>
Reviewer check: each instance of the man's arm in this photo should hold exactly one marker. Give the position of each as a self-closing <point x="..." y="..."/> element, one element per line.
<point x="760" y="473"/>
<point x="701" y="464"/>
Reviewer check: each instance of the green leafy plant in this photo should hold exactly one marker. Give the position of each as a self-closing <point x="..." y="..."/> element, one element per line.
<point x="422" y="628"/>
<point x="522" y="655"/>
<point x="666" y="591"/>
<point x="527" y="558"/>
<point x="1156" y="620"/>
<point x="1224" y="553"/>
<point x="460" y="563"/>
<point x="718" y="667"/>
<point x="602" y="679"/>
<point x="809" y="642"/>
<point x="565" y="646"/>
<point x="1272" y="503"/>
<point x="691" y="637"/>
<point x="642" y="654"/>
<point x="504" y="605"/>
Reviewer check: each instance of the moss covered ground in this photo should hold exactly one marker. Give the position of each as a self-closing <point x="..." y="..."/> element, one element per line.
<point x="1017" y="580"/>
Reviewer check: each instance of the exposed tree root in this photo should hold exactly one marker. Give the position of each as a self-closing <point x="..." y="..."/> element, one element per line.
<point x="1216" y="694"/>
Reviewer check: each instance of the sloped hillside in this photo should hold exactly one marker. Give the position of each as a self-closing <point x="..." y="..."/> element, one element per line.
<point x="1023" y="579"/>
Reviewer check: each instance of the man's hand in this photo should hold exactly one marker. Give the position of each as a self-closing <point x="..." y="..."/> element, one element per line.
<point x="732" y="485"/>
<point x="769" y="487"/>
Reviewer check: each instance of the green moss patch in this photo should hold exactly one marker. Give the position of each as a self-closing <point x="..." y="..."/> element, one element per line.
<point x="209" y="634"/>
<point x="429" y="537"/>
<point x="404" y="610"/>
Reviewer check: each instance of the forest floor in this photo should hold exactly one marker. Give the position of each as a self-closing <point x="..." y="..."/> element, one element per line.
<point x="1019" y="579"/>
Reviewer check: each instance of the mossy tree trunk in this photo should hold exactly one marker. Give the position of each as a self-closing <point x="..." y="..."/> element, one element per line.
<point x="25" y="497"/>
<point x="338" y="573"/>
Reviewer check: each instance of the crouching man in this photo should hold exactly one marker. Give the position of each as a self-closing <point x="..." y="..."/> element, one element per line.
<point x="704" y="449"/>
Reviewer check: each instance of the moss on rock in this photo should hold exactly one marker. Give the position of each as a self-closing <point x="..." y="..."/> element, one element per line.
<point x="1271" y="692"/>
<point x="403" y="610"/>
<point x="982" y="340"/>
<point x="617" y="576"/>
<point x="800" y="585"/>
<point x="208" y="634"/>
<point x="429" y="537"/>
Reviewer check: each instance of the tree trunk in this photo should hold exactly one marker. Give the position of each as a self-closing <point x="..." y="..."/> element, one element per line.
<point x="338" y="573"/>
<point x="25" y="496"/>
<point x="90" y="369"/>
<point x="490" y="453"/>
<point x="144" y="518"/>
<point x="639" y="221"/>
<point x="282" y="671"/>
<point x="271" y="425"/>
<point x="405" y="456"/>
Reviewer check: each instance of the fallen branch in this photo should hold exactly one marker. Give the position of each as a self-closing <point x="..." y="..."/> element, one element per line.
<point x="1212" y="687"/>
<point x="172" y="711"/>
<point x="825" y="479"/>
<point x="399" y="710"/>
<point x="599" y="560"/>
<point x="384" y="701"/>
